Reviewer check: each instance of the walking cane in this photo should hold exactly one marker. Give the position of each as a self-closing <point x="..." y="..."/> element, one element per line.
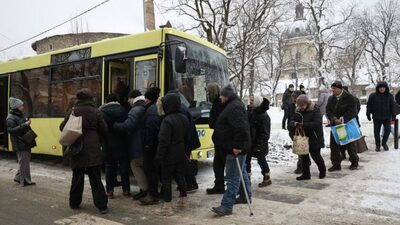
<point x="244" y="186"/>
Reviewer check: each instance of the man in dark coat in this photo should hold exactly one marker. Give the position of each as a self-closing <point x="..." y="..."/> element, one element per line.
<point x="341" y="108"/>
<point x="358" y="107"/>
<point x="151" y="120"/>
<point x="213" y="93"/>
<point x="90" y="159"/>
<point x="171" y="152"/>
<point x="292" y="112"/>
<point x="232" y="135"/>
<point x="381" y="106"/>
<point x="133" y="126"/>
<point x="17" y="126"/>
<point x="260" y="129"/>
<point x="114" y="146"/>
<point x="286" y="102"/>
<point x="309" y="118"/>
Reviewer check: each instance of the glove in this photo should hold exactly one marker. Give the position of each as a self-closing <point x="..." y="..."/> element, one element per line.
<point x="369" y="117"/>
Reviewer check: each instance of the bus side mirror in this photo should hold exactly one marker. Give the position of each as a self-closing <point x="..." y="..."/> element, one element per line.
<point x="180" y="59"/>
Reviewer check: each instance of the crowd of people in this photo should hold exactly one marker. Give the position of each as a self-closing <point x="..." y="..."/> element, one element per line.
<point x="154" y="141"/>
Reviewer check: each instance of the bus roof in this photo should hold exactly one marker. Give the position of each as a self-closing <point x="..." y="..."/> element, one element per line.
<point x="103" y="48"/>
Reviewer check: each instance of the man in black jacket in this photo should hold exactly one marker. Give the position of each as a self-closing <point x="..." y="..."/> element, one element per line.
<point x="381" y="106"/>
<point x="341" y="108"/>
<point x="292" y="112"/>
<point x="219" y="156"/>
<point x="232" y="135"/>
<point x="286" y="102"/>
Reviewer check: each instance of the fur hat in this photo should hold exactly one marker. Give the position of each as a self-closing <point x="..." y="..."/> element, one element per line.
<point x="15" y="103"/>
<point x="258" y="100"/>
<point x="152" y="94"/>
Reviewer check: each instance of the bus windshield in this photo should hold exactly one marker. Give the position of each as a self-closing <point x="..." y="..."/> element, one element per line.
<point x="204" y="66"/>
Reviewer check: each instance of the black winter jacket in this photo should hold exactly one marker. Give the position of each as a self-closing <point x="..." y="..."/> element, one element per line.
<point x="292" y="112"/>
<point x="151" y="127"/>
<point x="216" y="109"/>
<point x="115" y="141"/>
<point x="260" y="129"/>
<point x="134" y="126"/>
<point x="398" y="97"/>
<point x="174" y="132"/>
<point x="344" y="106"/>
<point x="16" y="127"/>
<point x="232" y="129"/>
<point x="381" y="106"/>
<point x="287" y="99"/>
<point x="311" y="121"/>
<point x="193" y="140"/>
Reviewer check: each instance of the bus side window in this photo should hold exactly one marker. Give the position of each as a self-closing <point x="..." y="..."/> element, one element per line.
<point x="145" y="74"/>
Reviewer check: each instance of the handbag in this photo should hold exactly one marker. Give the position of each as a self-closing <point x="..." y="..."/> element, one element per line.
<point x="300" y="142"/>
<point x="74" y="149"/>
<point x="72" y="130"/>
<point x="29" y="138"/>
<point x="361" y="145"/>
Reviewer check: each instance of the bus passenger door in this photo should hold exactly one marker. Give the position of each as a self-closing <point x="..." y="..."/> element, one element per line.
<point x="3" y="111"/>
<point x="118" y="81"/>
<point x="145" y="75"/>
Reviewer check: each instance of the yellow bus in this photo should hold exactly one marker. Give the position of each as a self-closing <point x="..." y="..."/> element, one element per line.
<point x="167" y="58"/>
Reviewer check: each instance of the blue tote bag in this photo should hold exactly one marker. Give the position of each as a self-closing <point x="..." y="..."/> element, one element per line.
<point x="347" y="132"/>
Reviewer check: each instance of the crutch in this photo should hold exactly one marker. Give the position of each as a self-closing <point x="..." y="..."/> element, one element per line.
<point x="244" y="186"/>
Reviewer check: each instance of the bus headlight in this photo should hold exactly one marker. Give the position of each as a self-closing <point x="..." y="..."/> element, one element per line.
<point x="200" y="154"/>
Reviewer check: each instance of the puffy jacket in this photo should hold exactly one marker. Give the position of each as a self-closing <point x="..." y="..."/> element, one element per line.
<point x="134" y="126"/>
<point x="381" y="105"/>
<point x="311" y="121"/>
<point x="151" y="127"/>
<point x="232" y="129"/>
<point x="94" y="128"/>
<point x="323" y="100"/>
<point x="216" y="109"/>
<point x="260" y="129"/>
<point x="193" y="140"/>
<point x="16" y="127"/>
<point x="115" y="141"/>
<point x="343" y="106"/>
<point x="174" y="132"/>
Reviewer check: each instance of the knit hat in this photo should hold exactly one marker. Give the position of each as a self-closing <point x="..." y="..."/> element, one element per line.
<point x="302" y="100"/>
<point x="296" y="94"/>
<point x="291" y="86"/>
<point x="152" y="94"/>
<point x="258" y="99"/>
<point x="301" y="86"/>
<point x="84" y="94"/>
<point x="15" y="103"/>
<point x="134" y="94"/>
<point x="228" y="91"/>
<point x="337" y="84"/>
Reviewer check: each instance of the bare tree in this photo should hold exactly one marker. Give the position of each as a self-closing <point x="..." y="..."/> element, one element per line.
<point x="378" y="28"/>
<point x="325" y="22"/>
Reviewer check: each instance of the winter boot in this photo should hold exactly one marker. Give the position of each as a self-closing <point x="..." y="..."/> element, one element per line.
<point x="166" y="209"/>
<point x="298" y="169"/>
<point x="306" y="174"/>
<point x="266" y="181"/>
<point x="182" y="202"/>
<point x="353" y="166"/>
<point x="378" y="148"/>
<point x="385" y="147"/>
<point x="335" y="168"/>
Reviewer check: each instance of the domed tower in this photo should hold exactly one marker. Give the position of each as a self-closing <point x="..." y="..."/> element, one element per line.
<point x="299" y="52"/>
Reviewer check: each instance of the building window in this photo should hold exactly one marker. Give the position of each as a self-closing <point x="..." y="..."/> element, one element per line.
<point x="32" y="87"/>
<point x="71" y="56"/>
<point x="66" y="80"/>
<point x="51" y="47"/>
<point x="297" y="30"/>
<point x="298" y="56"/>
<point x="293" y="76"/>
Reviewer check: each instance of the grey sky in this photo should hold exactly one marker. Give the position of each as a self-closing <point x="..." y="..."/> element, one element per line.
<point x="21" y="19"/>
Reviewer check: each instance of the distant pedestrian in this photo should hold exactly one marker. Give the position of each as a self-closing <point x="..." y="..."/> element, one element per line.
<point x="133" y="126"/>
<point x="171" y="151"/>
<point x="90" y="159"/>
<point x="260" y="129"/>
<point x="114" y="146"/>
<point x="302" y="89"/>
<point x="381" y="106"/>
<point x="286" y="102"/>
<point x="232" y="135"/>
<point x="213" y="92"/>
<point x="292" y="112"/>
<point x="17" y="126"/>
<point x="323" y="97"/>
<point x="341" y="108"/>
<point x="151" y="120"/>
<point x="309" y="118"/>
